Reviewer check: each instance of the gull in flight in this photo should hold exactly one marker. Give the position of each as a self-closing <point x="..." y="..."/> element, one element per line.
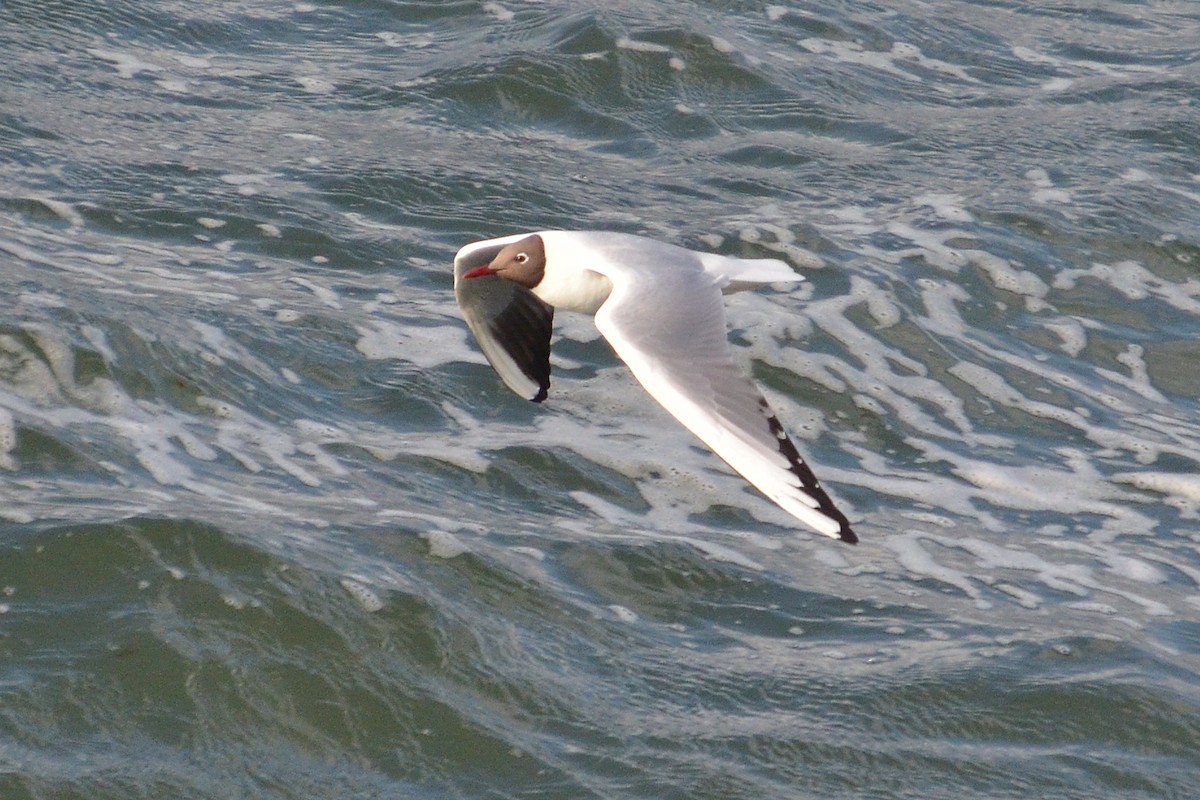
<point x="661" y="309"/>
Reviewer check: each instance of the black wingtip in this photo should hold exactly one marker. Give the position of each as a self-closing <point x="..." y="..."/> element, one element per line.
<point x="541" y="395"/>
<point x="806" y="477"/>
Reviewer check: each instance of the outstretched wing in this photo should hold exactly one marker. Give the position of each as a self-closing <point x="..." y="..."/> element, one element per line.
<point x="678" y="349"/>
<point x="511" y="325"/>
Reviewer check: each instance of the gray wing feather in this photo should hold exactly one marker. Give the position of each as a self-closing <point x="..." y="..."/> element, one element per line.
<point x="512" y="326"/>
<point x="679" y="351"/>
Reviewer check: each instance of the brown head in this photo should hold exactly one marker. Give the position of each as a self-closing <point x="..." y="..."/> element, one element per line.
<point x="522" y="262"/>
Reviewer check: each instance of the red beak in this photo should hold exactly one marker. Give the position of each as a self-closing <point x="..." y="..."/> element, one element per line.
<point x="486" y="269"/>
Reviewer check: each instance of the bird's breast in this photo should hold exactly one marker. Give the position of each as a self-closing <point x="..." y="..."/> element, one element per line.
<point x="574" y="290"/>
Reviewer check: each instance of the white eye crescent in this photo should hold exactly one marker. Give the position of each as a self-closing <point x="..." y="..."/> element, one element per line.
<point x="522" y="258"/>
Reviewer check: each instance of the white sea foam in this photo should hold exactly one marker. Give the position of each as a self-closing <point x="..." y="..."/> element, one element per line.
<point x="626" y="43"/>
<point x="916" y="417"/>
<point x="1082" y="65"/>
<point x="8" y="439"/>
<point x="855" y="53"/>
<point x="61" y="209"/>
<point x="501" y="13"/>
<point x="722" y="45"/>
<point x="443" y="544"/>
<point x="424" y="347"/>
<point x="366" y="597"/>
<point x="127" y="65"/>
<point x="623" y="614"/>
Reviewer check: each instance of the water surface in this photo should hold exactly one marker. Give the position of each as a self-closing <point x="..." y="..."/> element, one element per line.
<point x="272" y="527"/>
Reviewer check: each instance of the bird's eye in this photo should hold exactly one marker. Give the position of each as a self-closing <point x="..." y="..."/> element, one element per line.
<point x="522" y="258"/>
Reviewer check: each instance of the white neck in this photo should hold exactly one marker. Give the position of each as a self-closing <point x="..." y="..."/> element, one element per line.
<point x="573" y="288"/>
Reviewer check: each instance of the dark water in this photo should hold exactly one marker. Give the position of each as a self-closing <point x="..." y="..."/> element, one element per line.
<point x="271" y="527"/>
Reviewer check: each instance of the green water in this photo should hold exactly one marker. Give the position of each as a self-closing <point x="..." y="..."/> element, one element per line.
<point x="271" y="527"/>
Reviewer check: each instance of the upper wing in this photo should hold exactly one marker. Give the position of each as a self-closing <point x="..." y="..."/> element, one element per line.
<point x="511" y="325"/>
<point x="674" y="340"/>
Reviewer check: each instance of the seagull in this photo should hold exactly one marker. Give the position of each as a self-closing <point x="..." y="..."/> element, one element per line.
<point x="660" y="308"/>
